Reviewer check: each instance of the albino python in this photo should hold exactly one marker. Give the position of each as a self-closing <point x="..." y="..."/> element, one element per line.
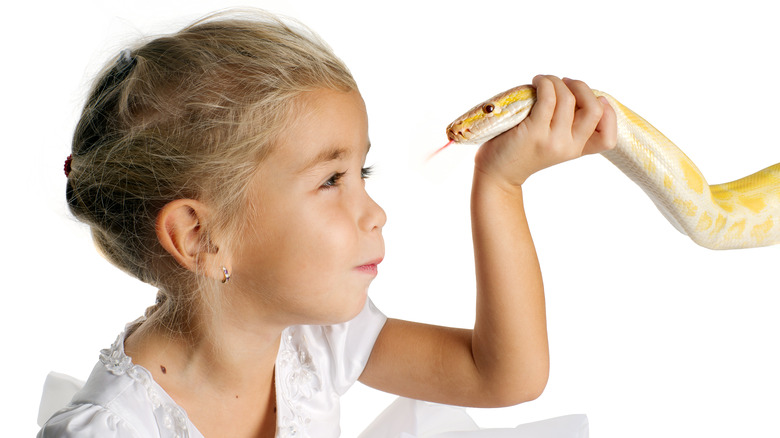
<point x="741" y="214"/>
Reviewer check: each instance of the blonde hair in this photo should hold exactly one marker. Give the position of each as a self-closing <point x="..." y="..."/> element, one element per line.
<point x="188" y="115"/>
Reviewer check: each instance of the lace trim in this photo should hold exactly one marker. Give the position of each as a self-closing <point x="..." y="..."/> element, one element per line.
<point x="118" y="363"/>
<point x="298" y="381"/>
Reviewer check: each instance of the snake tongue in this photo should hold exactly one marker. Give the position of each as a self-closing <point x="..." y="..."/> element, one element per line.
<point x="441" y="149"/>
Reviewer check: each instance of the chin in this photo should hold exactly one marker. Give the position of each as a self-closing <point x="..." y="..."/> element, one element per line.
<point x="350" y="309"/>
<point x="360" y="304"/>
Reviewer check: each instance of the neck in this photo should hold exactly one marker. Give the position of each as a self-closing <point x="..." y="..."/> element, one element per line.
<point x="220" y="372"/>
<point x="216" y="356"/>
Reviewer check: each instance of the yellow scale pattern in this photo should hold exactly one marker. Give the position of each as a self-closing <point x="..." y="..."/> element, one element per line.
<point x="751" y="194"/>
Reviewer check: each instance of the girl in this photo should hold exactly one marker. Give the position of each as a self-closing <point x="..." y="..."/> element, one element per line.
<point x="225" y="165"/>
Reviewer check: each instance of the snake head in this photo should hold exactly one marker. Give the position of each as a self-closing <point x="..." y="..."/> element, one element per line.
<point x="493" y="116"/>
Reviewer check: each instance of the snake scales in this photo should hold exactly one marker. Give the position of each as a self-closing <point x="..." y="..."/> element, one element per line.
<point x="740" y="214"/>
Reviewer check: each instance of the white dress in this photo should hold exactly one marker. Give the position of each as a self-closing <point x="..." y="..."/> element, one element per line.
<point x="314" y="367"/>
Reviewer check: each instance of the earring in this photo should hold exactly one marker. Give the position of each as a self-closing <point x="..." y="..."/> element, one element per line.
<point x="226" y="275"/>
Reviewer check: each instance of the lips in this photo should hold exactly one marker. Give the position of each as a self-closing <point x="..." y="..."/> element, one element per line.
<point x="370" y="267"/>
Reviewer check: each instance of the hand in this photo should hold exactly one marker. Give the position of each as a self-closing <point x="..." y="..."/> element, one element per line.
<point x="567" y="122"/>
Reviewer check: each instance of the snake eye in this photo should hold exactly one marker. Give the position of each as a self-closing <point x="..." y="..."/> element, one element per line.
<point x="488" y="108"/>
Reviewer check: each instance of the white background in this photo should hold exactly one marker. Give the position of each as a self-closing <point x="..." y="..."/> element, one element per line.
<point x="650" y="335"/>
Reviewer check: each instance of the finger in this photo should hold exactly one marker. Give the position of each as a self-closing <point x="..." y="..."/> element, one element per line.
<point x="588" y="113"/>
<point x="605" y="135"/>
<point x="565" y="105"/>
<point x="542" y="110"/>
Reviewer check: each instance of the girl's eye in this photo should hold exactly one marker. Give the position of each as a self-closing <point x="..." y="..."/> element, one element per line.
<point x="333" y="181"/>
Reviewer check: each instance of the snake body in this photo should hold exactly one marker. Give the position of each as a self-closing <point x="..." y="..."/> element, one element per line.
<point x="740" y="214"/>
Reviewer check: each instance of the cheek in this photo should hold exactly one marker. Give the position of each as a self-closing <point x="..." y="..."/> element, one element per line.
<point x="310" y="239"/>
<point x="324" y="239"/>
<point x="300" y="245"/>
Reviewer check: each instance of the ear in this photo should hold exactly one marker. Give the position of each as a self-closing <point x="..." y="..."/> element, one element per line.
<point x="181" y="231"/>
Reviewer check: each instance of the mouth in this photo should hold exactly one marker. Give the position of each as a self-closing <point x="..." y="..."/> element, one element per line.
<point x="456" y="133"/>
<point x="370" y="267"/>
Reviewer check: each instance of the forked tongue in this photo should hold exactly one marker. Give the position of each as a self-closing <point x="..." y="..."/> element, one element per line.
<point x="440" y="149"/>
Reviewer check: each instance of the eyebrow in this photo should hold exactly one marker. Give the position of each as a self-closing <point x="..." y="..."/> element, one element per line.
<point x="326" y="155"/>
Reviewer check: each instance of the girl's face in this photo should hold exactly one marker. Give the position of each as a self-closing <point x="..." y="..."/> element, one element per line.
<point x="314" y="236"/>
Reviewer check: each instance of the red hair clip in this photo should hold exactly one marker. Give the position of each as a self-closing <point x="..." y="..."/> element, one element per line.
<point x="67" y="165"/>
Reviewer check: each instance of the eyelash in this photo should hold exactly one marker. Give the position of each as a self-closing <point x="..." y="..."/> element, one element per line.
<point x="333" y="181"/>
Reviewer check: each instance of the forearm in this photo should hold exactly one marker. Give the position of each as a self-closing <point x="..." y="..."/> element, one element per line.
<point x="509" y="343"/>
<point x="505" y="359"/>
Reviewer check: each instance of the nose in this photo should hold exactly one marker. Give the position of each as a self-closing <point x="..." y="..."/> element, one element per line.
<point x="373" y="217"/>
<point x="451" y="134"/>
<point x="455" y="131"/>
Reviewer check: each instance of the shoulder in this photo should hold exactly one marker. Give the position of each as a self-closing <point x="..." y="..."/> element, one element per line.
<point x="339" y="351"/>
<point x="317" y="364"/>
<point x="119" y="399"/>
<point x="114" y="403"/>
<point x="333" y="355"/>
<point x="87" y="420"/>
